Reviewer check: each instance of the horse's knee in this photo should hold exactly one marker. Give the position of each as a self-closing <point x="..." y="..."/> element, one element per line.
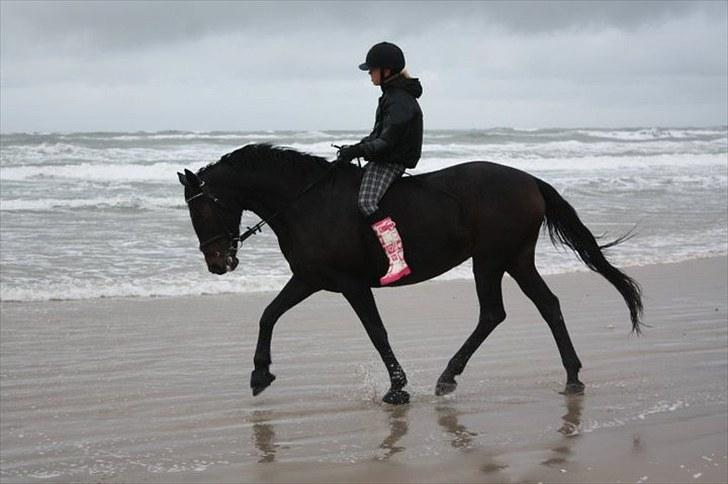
<point x="552" y="310"/>
<point x="269" y="317"/>
<point x="491" y="317"/>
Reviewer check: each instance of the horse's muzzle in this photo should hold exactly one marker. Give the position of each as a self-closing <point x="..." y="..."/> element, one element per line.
<point x="220" y="267"/>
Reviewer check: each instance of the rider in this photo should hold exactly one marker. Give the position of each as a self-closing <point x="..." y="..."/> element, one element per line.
<point x="394" y="144"/>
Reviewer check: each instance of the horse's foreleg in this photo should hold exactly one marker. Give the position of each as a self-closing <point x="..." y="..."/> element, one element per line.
<point x="492" y="313"/>
<point x="292" y="293"/>
<point x="362" y="301"/>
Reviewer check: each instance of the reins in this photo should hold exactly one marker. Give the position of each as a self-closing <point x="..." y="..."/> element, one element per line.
<point x="237" y="240"/>
<point x="264" y="221"/>
<point x="257" y="227"/>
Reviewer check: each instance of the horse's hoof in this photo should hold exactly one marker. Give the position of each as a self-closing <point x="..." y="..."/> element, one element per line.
<point x="576" y="388"/>
<point x="396" y="397"/>
<point x="445" y="387"/>
<point x="260" y="380"/>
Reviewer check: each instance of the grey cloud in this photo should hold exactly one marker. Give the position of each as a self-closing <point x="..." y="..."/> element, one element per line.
<point x="204" y="65"/>
<point x="118" y="26"/>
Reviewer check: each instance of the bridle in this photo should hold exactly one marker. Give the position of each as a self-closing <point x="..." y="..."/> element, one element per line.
<point x="233" y="236"/>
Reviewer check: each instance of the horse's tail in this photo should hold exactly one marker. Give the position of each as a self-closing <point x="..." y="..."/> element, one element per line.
<point x="565" y="227"/>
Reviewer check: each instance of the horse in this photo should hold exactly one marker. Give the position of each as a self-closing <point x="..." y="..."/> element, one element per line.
<point x="480" y="210"/>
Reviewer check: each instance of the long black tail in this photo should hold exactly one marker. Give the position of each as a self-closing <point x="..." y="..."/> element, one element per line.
<point x="565" y="227"/>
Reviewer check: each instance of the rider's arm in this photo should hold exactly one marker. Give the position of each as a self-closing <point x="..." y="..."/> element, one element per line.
<point x="372" y="135"/>
<point x="398" y="111"/>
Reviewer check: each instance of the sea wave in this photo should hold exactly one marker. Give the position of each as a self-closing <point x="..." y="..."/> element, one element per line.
<point x="587" y="183"/>
<point x="88" y="289"/>
<point x="496" y="143"/>
<point x="161" y="172"/>
<point x="581" y="164"/>
<point x="652" y="134"/>
<point x="77" y="288"/>
<point x="111" y="205"/>
<point x="64" y="153"/>
<point x="136" y="202"/>
<point x="122" y="172"/>
<point x="577" y="149"/>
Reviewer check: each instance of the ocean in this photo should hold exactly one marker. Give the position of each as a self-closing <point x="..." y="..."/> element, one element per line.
<point x="90" y="215"/>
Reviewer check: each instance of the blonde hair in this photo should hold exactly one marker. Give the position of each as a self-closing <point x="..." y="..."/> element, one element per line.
<point x="405" y="74"/>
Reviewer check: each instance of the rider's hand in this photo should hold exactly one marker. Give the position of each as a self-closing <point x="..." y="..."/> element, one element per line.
<point x="349" y="152"/>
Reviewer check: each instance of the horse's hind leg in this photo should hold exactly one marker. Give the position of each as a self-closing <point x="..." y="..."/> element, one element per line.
<point x="525" y="273"/>
<point x="492" y="313"/>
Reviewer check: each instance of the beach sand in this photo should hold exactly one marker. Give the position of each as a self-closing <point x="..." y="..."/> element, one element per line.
<point x="156" y="389"/>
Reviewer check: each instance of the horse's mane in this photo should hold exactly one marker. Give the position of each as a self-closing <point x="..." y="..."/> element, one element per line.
<point x="259" y="155"/>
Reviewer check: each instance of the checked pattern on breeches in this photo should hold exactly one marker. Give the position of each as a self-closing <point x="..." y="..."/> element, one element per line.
<point x="377" y="179"/>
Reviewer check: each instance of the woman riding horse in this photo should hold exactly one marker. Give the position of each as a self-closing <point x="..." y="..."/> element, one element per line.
<point x="495" y="219"/>
<point x="394" y="144"/>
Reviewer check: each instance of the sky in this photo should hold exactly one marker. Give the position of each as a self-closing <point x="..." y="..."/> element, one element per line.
<point x="150" y="66"/>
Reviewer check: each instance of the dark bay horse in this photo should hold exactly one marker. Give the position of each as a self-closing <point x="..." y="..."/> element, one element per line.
<point x="482" y="210"/>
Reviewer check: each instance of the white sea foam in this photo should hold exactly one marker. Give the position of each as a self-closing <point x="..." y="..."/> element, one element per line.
<point x="581" y="164"/>
<point x="118" y="202"/>
<point x="184" y="136"/>
<point x="572" y="149"/>
<point x="79" y="288"/>
<point x="650" y="134"/>
<point x="166" y="171"/>
<point x="156" y="172"/>
<point x="61" y="153"/>
<point x="550" y="261"/>
<point x="114" y="224"/>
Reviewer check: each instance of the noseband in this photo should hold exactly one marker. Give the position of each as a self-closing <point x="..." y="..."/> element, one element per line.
<point x="235" y="237"/>
<point x="232" y="236"/>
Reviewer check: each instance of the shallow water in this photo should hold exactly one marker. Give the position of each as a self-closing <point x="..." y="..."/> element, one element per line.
<point x="157" y="389"/>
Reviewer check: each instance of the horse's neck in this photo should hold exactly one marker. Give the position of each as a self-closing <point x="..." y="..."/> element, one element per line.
<point x="274" y="191"/>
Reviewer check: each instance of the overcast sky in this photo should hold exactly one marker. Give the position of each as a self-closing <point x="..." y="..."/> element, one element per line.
<point x="132" y="66"/>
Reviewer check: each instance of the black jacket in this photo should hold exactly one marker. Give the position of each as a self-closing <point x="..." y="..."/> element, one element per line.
<point x="397" y="133"/>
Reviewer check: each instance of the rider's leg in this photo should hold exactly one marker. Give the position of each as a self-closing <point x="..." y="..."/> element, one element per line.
<point x="377" y="179"/>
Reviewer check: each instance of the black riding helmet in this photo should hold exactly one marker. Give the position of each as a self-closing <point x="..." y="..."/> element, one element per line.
<point x="384" y="54"/>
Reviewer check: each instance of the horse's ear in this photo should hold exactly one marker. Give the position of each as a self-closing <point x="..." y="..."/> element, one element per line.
<point x="192" y="179"/>
<point x="182" y="178"/>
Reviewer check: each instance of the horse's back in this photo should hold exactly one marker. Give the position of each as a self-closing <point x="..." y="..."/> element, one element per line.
<point x="479" y="176"/>
<point x="494" y="204"/>
<point x="483" y="185"/>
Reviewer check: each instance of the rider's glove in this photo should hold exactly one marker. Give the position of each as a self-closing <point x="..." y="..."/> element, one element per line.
<point x="349" y="152"/>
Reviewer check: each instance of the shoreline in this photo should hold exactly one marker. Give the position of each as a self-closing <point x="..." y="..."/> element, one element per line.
<point x="156" y="389"/>
<point x="272" y="292"/>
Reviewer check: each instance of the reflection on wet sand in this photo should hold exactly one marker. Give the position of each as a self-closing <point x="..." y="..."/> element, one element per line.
<point x="462" y="437"/>
<point x="398" y="427"/>
<point x="264" y="436"/>
<point x="570" y="427"/>
<point x="572" y="419"/>
<point x="447" y="417"/>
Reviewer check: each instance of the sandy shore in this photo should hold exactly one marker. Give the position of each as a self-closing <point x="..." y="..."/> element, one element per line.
<point x="156" y="390"/>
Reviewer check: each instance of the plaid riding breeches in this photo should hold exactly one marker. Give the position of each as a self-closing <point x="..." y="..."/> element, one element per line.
<point x="377" y="179"/>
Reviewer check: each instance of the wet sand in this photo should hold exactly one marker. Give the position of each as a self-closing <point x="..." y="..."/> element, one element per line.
<point x="156" y="389"/>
